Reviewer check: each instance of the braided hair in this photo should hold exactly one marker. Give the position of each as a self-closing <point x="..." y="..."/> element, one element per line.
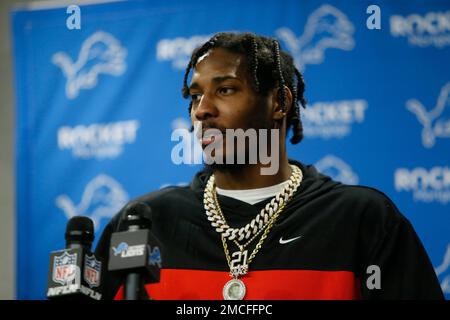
<point x="269" y="67"/>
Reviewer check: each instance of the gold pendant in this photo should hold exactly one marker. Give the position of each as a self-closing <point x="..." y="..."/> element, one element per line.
<point x="239" y="265"/>
<point x="235" y="288"/>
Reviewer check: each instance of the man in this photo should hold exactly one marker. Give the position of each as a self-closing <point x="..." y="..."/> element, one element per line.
<point x="237" y="233"/>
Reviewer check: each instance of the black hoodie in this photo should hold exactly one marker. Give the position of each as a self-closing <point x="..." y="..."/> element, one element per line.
<point x="344" y="237"/>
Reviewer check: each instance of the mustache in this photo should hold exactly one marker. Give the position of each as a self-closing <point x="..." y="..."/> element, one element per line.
<point x="200" y="128"/>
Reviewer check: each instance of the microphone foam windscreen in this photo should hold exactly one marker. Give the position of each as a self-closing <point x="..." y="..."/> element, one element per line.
<point x="140" y="209"/>
<point x="80" y="223"/>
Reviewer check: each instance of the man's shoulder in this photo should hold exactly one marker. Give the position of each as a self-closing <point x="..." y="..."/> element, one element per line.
<point x="369" y="205"/>
<point x="162" y="200"/>
<point x="362" y="193"/>
<point x="171" y="198"/>
<point x="165" y="194"/>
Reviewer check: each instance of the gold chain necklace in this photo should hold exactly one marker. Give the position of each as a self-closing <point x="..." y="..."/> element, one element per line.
<point x="235" y="288"/>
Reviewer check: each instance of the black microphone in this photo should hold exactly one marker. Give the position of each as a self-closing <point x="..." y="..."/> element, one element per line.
<point x="75" y="273"/>
<point x="135" y="253"/>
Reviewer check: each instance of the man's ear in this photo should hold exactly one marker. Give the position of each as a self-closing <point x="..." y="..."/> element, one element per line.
<point x="279" y="111"/>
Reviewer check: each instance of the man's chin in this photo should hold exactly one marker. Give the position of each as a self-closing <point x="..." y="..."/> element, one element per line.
<point x="219" y="162"/>
<point x="224" y="167"/>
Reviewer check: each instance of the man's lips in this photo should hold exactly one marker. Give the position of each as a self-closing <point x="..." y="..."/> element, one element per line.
<point x="209" y="134"/>
<point x="209" y="138"/>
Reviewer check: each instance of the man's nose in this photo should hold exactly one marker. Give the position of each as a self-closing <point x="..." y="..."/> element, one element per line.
<point x="205" y="108"/>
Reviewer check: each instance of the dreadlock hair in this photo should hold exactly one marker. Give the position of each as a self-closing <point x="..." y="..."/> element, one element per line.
<point x="268" y="66"/>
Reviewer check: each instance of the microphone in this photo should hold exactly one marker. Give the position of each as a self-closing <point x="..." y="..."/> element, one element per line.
<point x="75" y="272"/>
<point x="135" y="252"/>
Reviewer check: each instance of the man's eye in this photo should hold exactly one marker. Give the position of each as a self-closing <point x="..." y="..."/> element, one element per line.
<point x="226" y="90"/>
<point x="195" y="96"/>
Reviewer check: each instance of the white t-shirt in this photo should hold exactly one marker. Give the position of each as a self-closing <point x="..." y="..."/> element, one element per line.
<point x="253" y="196"/>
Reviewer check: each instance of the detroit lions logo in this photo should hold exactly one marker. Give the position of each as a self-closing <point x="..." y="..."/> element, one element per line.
<point x="102" y="198"/>
<point x="435" y="123"/>
<point x="155" y="257"/>
<point x="100" y="53"/>
<point x="122" y="247"/>
<point x="440" y="272"/>
<point x="327" y="27"/>
<point x="337" y="169"/>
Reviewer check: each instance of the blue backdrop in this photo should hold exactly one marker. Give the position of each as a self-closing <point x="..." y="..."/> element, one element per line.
<point x="96" y="107"/>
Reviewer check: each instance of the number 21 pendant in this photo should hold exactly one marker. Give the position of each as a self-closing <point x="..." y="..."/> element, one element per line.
<point x="235" y="288"/>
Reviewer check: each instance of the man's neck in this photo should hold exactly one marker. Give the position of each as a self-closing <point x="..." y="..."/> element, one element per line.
<point x="250" y="177"/>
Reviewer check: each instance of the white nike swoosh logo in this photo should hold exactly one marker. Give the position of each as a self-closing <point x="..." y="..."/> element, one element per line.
<point x="288" y="240"/>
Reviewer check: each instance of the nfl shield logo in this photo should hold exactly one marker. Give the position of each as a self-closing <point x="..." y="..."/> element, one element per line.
<point x="92" y="269"/>
<point x="65" y="268"/>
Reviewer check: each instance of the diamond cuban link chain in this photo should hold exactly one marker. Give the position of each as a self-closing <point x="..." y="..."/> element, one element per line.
<point x="217" y="219"/>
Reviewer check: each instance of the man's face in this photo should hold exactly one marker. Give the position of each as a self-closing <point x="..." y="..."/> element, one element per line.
<point x="223" y="97"/>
